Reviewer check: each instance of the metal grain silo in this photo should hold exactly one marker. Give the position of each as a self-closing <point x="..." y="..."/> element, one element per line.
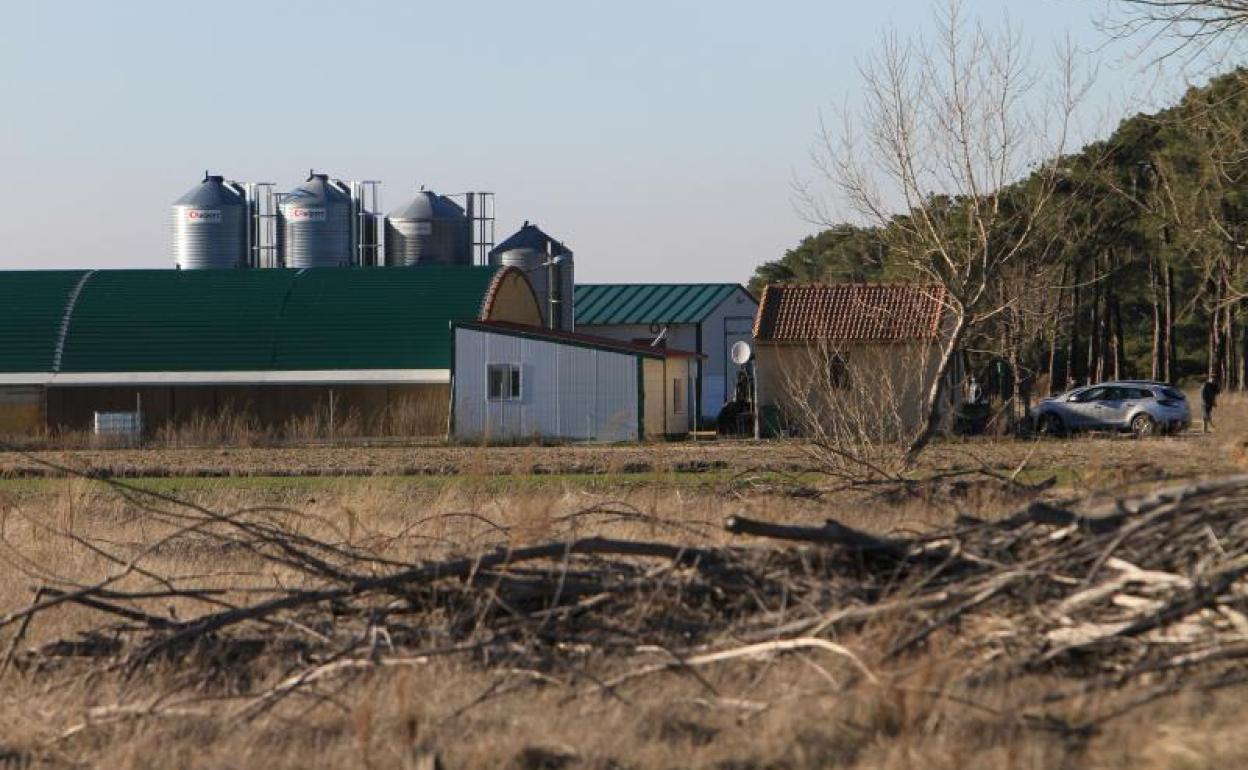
<point x="210" y="226"/>
<point x="548" y="265"/>
<point x="314" y="224"/>
<point x="430" y="229"/>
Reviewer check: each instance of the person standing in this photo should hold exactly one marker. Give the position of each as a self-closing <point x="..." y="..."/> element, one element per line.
<point x="973" y="408"/>
<point x="1208" y="400"/>
<point x="974" y="392"/>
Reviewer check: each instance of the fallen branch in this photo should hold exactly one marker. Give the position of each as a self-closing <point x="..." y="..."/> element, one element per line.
<point x="748" y="651"/>
<point x="831" y="533"/>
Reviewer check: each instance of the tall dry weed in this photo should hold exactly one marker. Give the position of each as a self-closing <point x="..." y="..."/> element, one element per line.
<point x="799" y="712"/>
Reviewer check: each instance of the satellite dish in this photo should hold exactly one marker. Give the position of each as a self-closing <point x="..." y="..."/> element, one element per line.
<point x="741" y="352"/>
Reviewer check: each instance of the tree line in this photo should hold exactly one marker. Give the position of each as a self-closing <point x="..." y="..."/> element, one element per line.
<point x="1126" y="259"/>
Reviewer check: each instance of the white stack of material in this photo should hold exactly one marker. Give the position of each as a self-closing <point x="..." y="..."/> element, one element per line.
<point x="122" y="424"/>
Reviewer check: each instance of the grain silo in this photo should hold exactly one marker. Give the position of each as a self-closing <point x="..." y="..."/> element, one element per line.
<point x="315" y="224"/>
<point x="430" y="229"/>
<point x="210" y="226"/>
<point x="548" y="265"/>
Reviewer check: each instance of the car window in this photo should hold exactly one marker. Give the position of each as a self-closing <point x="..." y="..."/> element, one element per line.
<point x="1091" y="394"/>
<point x="1101" y="394"/>
<point x="1116" y="394"/>
<point x="1143" y="393"/>
<point x="1172" y="393"/>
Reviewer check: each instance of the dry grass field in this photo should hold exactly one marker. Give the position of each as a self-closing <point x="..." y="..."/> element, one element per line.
<point x="122" y="645"/>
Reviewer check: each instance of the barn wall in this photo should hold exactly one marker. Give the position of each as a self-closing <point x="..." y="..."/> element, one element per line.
<point x="883" y="392"/>
<point x="514" y="302"/>
<point x="677" y="372"/>
<point x="21" y="410"/>
<point x="731" y="321"/>
<point x="679" y="336"/>
<point x="655" y="398"/>
<point x="567" y="391"/>
<point x="291" y="410"/>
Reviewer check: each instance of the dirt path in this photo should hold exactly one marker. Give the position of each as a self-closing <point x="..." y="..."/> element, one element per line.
<point x="1073" y="461"/>
<point x="412" y="461"/>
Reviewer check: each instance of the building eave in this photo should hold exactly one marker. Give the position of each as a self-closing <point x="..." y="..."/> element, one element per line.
<point x="274" y="377"/>
<point x="575" y="339"/>
<point x="831" y="341"/>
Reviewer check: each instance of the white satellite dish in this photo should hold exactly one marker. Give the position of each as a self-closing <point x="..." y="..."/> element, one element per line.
<point x="741" y="352"/>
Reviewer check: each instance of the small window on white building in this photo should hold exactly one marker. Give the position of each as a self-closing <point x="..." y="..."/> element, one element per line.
<point x="502" y="382"/>
<point x="678" y="396"/>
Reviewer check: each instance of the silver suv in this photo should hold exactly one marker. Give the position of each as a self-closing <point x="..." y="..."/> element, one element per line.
<point x="1139" y="406"/>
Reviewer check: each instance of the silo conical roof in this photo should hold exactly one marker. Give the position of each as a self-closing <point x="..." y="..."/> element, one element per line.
<point x="317" y="190"/>
<point x="211" y="192"/>
<point x="428" y="205"/>
<point x="529" y="237"/>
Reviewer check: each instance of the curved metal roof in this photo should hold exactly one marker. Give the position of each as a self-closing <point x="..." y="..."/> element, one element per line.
<point x="237" y="320"/>
<point x="602" y="304"/>
<point x="32" y="309"/>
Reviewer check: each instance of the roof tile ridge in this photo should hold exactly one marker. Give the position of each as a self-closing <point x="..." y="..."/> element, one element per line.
<point x="885" y="284"/>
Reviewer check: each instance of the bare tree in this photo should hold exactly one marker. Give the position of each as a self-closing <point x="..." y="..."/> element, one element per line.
<point x="945" y="128"/>
<point x="854" y="404"/>
<point x="1193" y="28"/>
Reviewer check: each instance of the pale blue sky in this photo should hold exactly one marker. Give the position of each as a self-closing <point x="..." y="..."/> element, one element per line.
<point x="658" y="139"/>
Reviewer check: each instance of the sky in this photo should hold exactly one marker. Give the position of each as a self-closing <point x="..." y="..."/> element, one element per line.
<point x="659" y="140"/>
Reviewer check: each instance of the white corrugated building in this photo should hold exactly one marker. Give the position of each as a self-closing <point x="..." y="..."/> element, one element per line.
<point x="521" y="383"/>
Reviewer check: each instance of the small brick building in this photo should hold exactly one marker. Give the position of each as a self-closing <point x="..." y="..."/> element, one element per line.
<point x="864" y="352"/>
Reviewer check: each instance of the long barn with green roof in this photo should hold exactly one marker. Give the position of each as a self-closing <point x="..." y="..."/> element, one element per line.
<point x="274" y="345"/>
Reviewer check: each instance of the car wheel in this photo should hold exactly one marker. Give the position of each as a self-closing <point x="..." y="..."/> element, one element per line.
<point x="1143" y="426"/>
<point x="1051" y="425"/>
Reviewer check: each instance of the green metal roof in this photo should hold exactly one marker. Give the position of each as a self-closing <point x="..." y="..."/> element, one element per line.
<point x="32" y="307"/>
<point x="175" y="320"/>
<point x="600" y="304"/>
<point x="236" y="320"/>
<point x="389" y="318"/>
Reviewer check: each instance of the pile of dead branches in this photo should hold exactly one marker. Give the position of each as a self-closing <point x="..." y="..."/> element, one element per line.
<point x="1150" y="589"/>
<point x="1150" y="592"/>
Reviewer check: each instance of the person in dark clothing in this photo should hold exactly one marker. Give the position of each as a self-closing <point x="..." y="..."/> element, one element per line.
<point x="1208" y="400"/>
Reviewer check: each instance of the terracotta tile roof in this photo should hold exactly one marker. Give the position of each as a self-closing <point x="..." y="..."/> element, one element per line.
<point x="851" y="312"/>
